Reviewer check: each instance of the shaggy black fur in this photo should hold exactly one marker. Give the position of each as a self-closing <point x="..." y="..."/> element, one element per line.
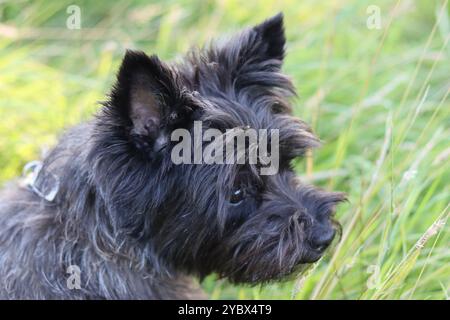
<point x="139" y="226"/>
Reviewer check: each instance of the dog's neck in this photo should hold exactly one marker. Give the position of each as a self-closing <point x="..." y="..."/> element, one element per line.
<point x="86" y="235"/>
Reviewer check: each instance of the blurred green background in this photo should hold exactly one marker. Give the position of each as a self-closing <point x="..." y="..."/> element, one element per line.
<point x="378" y="98"/>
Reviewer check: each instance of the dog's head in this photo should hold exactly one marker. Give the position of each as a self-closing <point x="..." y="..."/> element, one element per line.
<point x="193" y="212"/>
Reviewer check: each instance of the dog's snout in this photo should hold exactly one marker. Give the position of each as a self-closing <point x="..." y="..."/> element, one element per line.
<point x="322" y="237"/>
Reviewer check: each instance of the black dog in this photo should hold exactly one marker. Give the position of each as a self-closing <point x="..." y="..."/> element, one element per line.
<point x="127" y="222"/>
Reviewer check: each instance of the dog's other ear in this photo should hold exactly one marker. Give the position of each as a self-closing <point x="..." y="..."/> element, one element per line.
<point x="258" y="45"/>
<point x="254" y="56"/>
<point x="272" y="37"/>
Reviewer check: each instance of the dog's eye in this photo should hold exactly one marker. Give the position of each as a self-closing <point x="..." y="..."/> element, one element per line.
<point x="237" y="196"/>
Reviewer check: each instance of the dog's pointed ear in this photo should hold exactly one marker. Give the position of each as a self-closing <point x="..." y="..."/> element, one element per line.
<point x="263" y="42"/>
<point x="272" y="37"/>
<point x="144" y="86"/>
<point x="254" y="56"/>
<point x="147" y="99"/>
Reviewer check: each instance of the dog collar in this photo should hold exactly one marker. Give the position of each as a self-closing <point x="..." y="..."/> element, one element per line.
<point x="42" y="182"/>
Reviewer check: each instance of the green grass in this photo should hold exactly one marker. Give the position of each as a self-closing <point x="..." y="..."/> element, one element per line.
<point x="377" y="98"/>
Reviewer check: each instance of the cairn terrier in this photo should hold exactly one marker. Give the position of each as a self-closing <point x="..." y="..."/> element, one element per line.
<point x="110" y="214"/>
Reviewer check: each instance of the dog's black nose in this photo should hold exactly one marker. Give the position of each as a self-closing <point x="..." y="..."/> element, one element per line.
<point x="322" y="237"/>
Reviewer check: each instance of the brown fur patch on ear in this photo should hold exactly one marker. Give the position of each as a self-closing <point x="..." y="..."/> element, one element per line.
<point x="145" y="108"/>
